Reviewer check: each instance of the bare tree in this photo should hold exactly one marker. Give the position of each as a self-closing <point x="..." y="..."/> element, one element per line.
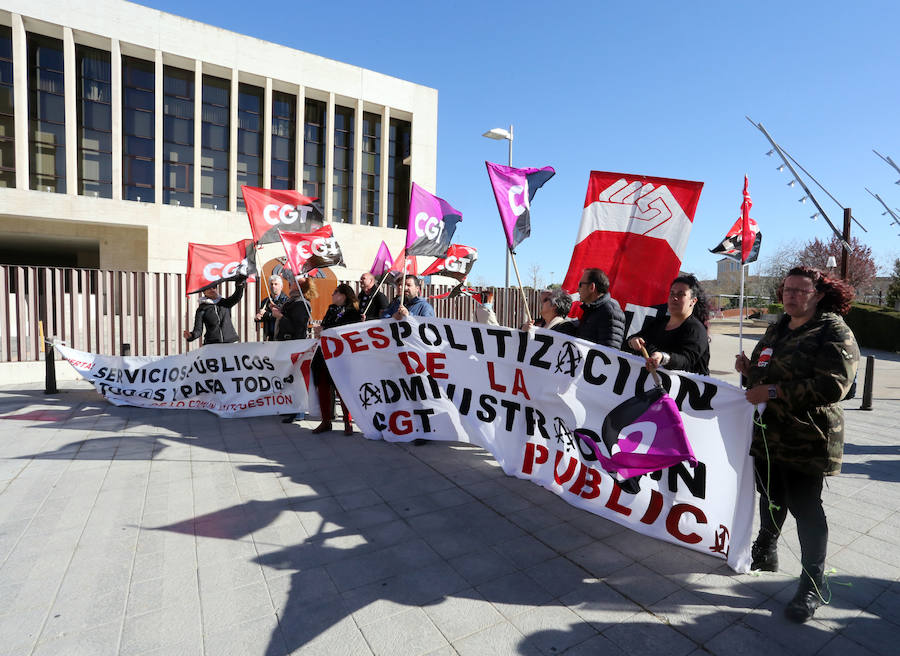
<point x="861" y="267"/>
<point x="534" y="272"/>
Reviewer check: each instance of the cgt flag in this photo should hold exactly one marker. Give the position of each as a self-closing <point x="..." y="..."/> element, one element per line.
<point x="432" y="222"/>
<point x="456" y="263"/>
<point x="743" y="241"/>
<point x="209" y="265"/>
<point x="635" y="228"/>
<point x="309" y="251"/>
<point x="514" y="190"/>
<point x="273" y="210"/>
<point x="383" y="261"/>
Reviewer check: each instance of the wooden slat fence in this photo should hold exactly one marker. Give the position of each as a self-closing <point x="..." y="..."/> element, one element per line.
<point x="100" y="311"/>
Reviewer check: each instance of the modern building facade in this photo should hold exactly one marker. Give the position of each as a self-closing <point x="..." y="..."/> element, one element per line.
<point x="126" y="133"/>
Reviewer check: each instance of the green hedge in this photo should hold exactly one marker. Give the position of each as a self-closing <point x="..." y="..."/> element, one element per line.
<point x="875" y="326"/>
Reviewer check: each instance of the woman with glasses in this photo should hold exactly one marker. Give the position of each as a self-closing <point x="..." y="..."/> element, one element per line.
<point x="679" y="340"/>
<point x="555" y="307"/>
<point x="801" y="369"/>
<point x="344" y="309"/>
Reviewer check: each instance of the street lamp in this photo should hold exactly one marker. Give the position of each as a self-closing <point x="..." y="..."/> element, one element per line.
<point x="499" y="134"/>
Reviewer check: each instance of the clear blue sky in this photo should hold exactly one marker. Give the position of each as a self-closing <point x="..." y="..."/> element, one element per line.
<point x="654" y="88"/>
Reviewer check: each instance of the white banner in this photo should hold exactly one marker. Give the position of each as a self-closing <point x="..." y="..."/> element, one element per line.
<point x="230" y="380"/>
<point x="521" y="396"/>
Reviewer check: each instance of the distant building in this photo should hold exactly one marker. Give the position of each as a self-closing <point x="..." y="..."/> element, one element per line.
<point x="126" y="132"/>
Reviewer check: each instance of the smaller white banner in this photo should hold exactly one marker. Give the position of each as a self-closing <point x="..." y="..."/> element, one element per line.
<point x="230" y="380"/>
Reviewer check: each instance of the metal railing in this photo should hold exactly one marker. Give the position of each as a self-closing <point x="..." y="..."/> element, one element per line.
<point x="103" y="311"/>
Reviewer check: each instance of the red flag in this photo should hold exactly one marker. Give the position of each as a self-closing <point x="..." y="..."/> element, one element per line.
<point x="405" y="263"/>
<point x="635" y="228"/>
<point x="208" y="265"/>
<point x="273" y="210"/>
<point x="747" y="234"/>
<point x="309" y="251"/>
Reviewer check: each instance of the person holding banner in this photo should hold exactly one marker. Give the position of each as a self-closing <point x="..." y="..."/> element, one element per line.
<point x="264" y="313"/>
<point x="680" y="340"/>
<point x="214" y="316"/>
<point x="292" y="318"/>
<point x="344" y="309"/>
<point x="801" y="369"/>
<point x="555" y="307"/>
<point x="603" y="321"/>
<point x="368" y="291"/>
<point x="413" y="304"/>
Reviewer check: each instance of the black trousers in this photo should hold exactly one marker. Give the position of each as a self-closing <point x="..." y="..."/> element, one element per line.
<point x="801" y="493"/>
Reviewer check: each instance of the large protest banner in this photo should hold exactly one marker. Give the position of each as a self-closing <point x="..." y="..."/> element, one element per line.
<point x="522" y="396"/>
<point x="230" y="380"/>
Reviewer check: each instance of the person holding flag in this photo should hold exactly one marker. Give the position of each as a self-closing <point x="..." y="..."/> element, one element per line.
<point x="264" y="314"/>
<point x="213" y="316"/>
<point x="371" y="300"/>
<point x="409" y="303"/>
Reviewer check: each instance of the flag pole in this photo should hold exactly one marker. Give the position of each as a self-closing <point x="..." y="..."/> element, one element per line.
<point x="512" y="254"/>
<point x="741" y="312"/>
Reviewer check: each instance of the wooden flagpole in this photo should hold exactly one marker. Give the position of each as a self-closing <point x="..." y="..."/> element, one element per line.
<point x="512" y="254"/>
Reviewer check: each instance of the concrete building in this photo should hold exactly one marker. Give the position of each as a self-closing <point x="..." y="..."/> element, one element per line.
<point x="126" y="132"/>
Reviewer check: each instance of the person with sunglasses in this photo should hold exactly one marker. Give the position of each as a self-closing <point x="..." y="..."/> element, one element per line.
<point x="603" y="321"/>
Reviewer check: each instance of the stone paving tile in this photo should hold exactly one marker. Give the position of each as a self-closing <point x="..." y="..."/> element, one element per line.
<point x="98" y="641"/>
<point x="262" y="635"/>
<point x="640" y="584"/>
<point x="165" y="629"/>
<point x="501" y="639"/>
<point x="462" y="614"/>
<point x="552" y="628"/>
<point x="482" y="565"/>
<point x="409" y="633"/>
<point x="645" y="634"/>
<point x="514" y="594"/>
<point x="874" y="633"/>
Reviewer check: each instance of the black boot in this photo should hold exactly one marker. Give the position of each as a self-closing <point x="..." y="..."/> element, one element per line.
<point x="764" y="553"/>
<point x="808" y="598"/>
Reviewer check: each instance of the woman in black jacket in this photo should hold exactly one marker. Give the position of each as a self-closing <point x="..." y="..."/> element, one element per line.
<point x="214" y="316"/>
<point x="679" y="340"/>
<point x="292" y="318"/>
<point x="344" y="309"/>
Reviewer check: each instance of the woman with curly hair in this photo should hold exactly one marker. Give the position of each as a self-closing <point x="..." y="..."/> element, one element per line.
<point x="801" y="369"/>
<point x="679" y="340"/>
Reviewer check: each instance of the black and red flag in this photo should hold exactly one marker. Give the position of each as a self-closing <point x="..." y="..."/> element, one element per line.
<point x="743" y="241"/>
<point x="312" y="250"/>
<point x="273" y="210"/>
<point x="456" y="263"/>
<point x="209" y="264"/>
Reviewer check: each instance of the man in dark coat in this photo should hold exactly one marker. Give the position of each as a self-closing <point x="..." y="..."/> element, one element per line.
<point x="264" y="314"/>
<point x="603" y="321"/>
<point x="367" y="292"/>
<point x="214" y="316"/>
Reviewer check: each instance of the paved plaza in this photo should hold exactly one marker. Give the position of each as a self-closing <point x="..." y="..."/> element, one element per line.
<point x="134" y="531"/>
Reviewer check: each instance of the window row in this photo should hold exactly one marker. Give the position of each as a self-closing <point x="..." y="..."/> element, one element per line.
<point x="94" y="113"/>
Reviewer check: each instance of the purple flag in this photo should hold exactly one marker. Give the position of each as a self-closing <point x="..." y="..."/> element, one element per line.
<point x="383" y="260"/>
<point x="432" y="222"/>
<point x="641" y="435"/>
<point x="514" y="190"/>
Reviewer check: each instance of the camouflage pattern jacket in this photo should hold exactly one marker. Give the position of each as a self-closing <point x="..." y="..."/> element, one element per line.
<point x="814" y="367"/>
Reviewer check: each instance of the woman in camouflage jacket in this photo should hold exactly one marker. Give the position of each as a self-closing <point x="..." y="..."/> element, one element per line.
<point x="801" y="369"/>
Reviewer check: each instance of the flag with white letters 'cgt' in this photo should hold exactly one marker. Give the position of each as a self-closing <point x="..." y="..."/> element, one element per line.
<point x="208" y="264"/>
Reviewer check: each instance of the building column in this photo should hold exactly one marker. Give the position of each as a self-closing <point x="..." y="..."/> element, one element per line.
<point x="329" y="158"/>
<point x="232" y="142"/>
<point x="115" y="70"/>
<point x="265" y="122"/>
<point x="384" y="154"/>
<point x="20" y="99"/>
<point x="158" y="128"/>
<point x="300" y="133"/>
<point x="71" y="103"/>
<point x="356" y="191"/>
<point x="198" y="131"/>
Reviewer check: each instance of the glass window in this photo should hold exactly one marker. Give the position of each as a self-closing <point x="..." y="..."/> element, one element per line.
<point x="7" y="114"/>
<point x="138" y="81"/>
<point x="94" y="111"/>
<point x="178" y="136"/>
<point x="314" y="148"/>
<point x="250" y="138"/>
<point x="284" y="140"/>
<point x="398" y="174"/>
<point x="342" y="197"/>
<point x="46" y="114"/>
<point x="215" y="142"/>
